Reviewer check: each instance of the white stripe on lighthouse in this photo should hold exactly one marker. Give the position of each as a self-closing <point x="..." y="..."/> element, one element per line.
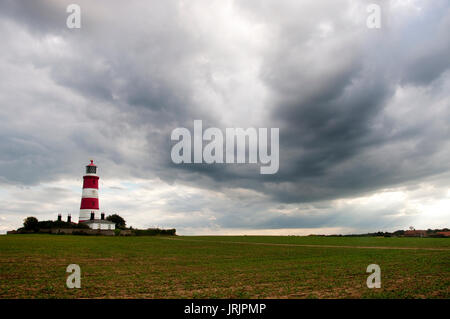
<point x="85" y="214"/>
<point x="89" y="193"/>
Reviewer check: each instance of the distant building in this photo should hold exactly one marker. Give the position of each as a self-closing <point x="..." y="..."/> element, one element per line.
<point x="415" y="233"/>
<point x="444" y="233"/>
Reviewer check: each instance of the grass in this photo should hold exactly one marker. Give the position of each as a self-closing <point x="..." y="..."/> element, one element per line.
<point x="34" y="266"/>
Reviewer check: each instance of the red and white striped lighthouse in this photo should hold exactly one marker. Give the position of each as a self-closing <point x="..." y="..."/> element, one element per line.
<point x="89" y="197"/>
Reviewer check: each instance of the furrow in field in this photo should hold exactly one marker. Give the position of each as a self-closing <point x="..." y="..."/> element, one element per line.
<point x="309" y="245"/>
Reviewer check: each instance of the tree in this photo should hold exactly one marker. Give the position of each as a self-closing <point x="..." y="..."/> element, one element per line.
<point x="116" y="219"/>
<point x="30" y="223"/>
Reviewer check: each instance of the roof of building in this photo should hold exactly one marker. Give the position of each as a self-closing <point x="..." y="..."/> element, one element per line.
<point x="98" y="221"/>
<point x="415" y="232"/>
<point x="445" y="233"/>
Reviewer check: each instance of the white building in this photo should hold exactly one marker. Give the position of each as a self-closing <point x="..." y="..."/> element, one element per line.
<point x="101" y="224"/>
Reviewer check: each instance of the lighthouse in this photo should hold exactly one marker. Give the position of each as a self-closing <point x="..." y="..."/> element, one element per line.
<point x="89" y="197"/>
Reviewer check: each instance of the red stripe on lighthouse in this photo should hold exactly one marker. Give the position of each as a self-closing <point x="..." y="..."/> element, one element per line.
<point x="90" y="181"/>
<point x="89" y="203"/>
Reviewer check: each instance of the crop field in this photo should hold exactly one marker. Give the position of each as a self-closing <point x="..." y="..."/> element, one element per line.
<point x="34" y="266"/>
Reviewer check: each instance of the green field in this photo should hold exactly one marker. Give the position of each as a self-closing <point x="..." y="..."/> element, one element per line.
<point x="34" y="266"/>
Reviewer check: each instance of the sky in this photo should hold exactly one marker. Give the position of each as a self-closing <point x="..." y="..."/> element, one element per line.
<point x="363" y="113"/>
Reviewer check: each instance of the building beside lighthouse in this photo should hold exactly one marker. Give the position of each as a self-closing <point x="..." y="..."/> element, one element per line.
<point x="90" y="208"/>
<point x="101" y="223"/>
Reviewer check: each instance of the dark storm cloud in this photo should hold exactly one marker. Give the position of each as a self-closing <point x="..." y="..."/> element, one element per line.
<point x="132" y="76"/>
<point x="334" y="113"/>
<point x="40" y="16"/>
<point x="330" y="103"/>
<point x="116" y="88"/>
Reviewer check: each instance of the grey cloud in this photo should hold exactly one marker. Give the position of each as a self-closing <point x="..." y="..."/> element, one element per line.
<point x="115" y="89"/>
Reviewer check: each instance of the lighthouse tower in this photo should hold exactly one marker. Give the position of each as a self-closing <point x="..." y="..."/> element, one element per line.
<point x="89" y="197"/>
